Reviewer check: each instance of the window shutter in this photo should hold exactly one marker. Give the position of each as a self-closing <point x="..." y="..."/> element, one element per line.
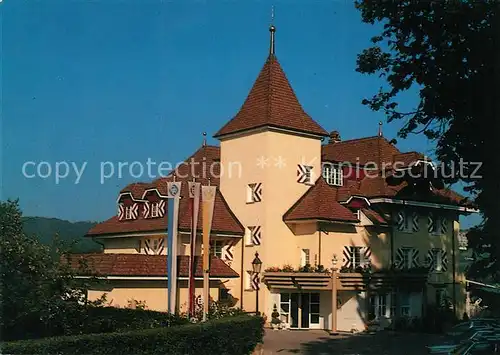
<point x="257" y="192"/>
<point x="366" y="256"/>
<point x="415" y="258"/>
<point x="347" y="257"/>
<point x="227" y="252"/>
<point x="401" y="220"/>
<point x="444" y="260"/>
<point x="255" y="281"/>
<point x="399" y="260"/>
<point x="430" y="222"/>
<point x="304" y="174"/>
<point x="255" y="235"/>
<point x="134" y="211"/>
<point x="146" y="210"/>
<point x="429" y="260"/>
<point x="121" y="211"/>
<point x="443" y="225"/>
<point x="415" y="222"/>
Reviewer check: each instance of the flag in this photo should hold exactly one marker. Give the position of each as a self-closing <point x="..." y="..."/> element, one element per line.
<point x="208" y="201"/>
<point x="173" y="194"/>
<point x="194" y="199"/>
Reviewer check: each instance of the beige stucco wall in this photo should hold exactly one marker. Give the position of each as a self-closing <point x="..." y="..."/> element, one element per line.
<point x="153" y="293"/>
<point x="280" y="191"/>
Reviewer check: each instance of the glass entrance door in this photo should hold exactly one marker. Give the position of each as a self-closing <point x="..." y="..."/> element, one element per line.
<point x="304" y="306"/>
<point x="294" y="297"/>
<point x="300" y="306"/>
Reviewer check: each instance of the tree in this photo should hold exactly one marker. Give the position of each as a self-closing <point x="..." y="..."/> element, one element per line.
<point x="449" y="52"/>
<point x="38" y="291"/>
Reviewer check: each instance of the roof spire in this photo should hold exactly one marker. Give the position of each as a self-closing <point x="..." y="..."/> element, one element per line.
<point x="204" y="139"/>
<point x="272" y="29"/>
<point x="380" y="129"/>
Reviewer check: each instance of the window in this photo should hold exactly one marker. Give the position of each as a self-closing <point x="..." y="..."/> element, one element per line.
<point x="216" y="248"/>
<point x="356" y="256"/>
<point x="437" y="225"/>
<point x="437" y="260"/>
<point x="305" y="257"/>
<point x="393" y="304"/>
<point x="254" y="192"/>
<point x="378" y="306"/>
<point x="129" y="213"/>
<point x="304" y="174"/>
<point x="253" y="235"/>
<point x="223" y="294"/>
<point x="155" y="210"/>
<point x="333" y="174"/>
<point x="406" y="258"/>
<point x="285" y="307"/>
<point x="407" y="221"/>
<point x="154" y="246"/>
<point x="405" y="304"/>
<point x="314" y="308"/>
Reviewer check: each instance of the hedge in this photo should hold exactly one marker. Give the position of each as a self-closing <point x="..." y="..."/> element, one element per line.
<point x="88" y="320"/>
<point x="232" y="336"/>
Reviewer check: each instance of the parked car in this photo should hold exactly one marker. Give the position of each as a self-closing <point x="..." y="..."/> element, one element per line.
<point x="452" y="343"/>
<point x="477" y="323"/>
<point x="472" y="347"/>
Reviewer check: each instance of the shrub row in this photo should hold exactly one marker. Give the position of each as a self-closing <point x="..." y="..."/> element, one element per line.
<point x="86" y="320"/>
<point x="232" y="335"/>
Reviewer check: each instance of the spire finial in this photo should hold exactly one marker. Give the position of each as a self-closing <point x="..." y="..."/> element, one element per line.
<point x="380" y="129"/>
<point x="204" y="139"/>
<point x="272" y="29"/>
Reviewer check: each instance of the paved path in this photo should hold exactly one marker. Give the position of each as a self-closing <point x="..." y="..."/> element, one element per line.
<point x="320" y="342"/>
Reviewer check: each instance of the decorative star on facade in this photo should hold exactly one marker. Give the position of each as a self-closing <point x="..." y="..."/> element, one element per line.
<point x="262" y="162"/>
<point x="279" y="162"/>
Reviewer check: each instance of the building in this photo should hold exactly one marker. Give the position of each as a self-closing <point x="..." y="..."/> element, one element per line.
<point x="347" y="231"/>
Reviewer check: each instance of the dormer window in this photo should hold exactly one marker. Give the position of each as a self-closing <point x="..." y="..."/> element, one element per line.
<point x="154" y="209"/>
<point x="332" y="173"/>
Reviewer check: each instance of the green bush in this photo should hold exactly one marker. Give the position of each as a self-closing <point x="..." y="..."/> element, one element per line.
<point x="79" y="320"/>
<point x="232" y="335"/>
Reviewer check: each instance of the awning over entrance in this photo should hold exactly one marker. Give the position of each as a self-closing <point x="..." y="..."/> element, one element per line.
<point x="381" y="280"/>
<point x="298" y="280"/>
<point x="345" y="281"/>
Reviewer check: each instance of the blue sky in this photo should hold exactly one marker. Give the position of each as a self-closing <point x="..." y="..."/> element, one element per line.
<point x="96" y="81"/>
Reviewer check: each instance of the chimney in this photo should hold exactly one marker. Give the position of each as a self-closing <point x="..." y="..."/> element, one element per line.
<point x="334" y="137"/>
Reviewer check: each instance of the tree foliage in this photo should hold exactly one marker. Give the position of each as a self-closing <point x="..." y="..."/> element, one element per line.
<point x="37" y="288"/>
<point x="449" y="52"/>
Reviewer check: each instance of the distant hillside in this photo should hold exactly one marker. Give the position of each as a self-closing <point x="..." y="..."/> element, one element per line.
<point x="46" y="228"/>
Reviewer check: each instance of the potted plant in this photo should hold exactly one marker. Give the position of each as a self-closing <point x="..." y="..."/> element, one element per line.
<point x="275" y="318"/>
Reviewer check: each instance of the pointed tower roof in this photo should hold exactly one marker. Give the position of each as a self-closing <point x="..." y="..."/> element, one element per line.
<point x="272" y="103"/>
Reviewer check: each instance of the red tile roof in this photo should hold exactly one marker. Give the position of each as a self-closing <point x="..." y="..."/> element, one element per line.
<point x="319" y="202"/>
<point x="362" y="151"/>
<point x="272" y="102"/>
<point x="224" y="221"/>
<point x="145" y="265"/>
<point x="202" y="165"/>
<point x="374" y="216"/>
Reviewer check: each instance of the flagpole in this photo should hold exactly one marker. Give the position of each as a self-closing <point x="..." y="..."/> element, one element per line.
<point x="194" y="194"/>
<point x="208" y="200"/>
<point x="174" y="189"/>
<point x="206" y="276"/>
